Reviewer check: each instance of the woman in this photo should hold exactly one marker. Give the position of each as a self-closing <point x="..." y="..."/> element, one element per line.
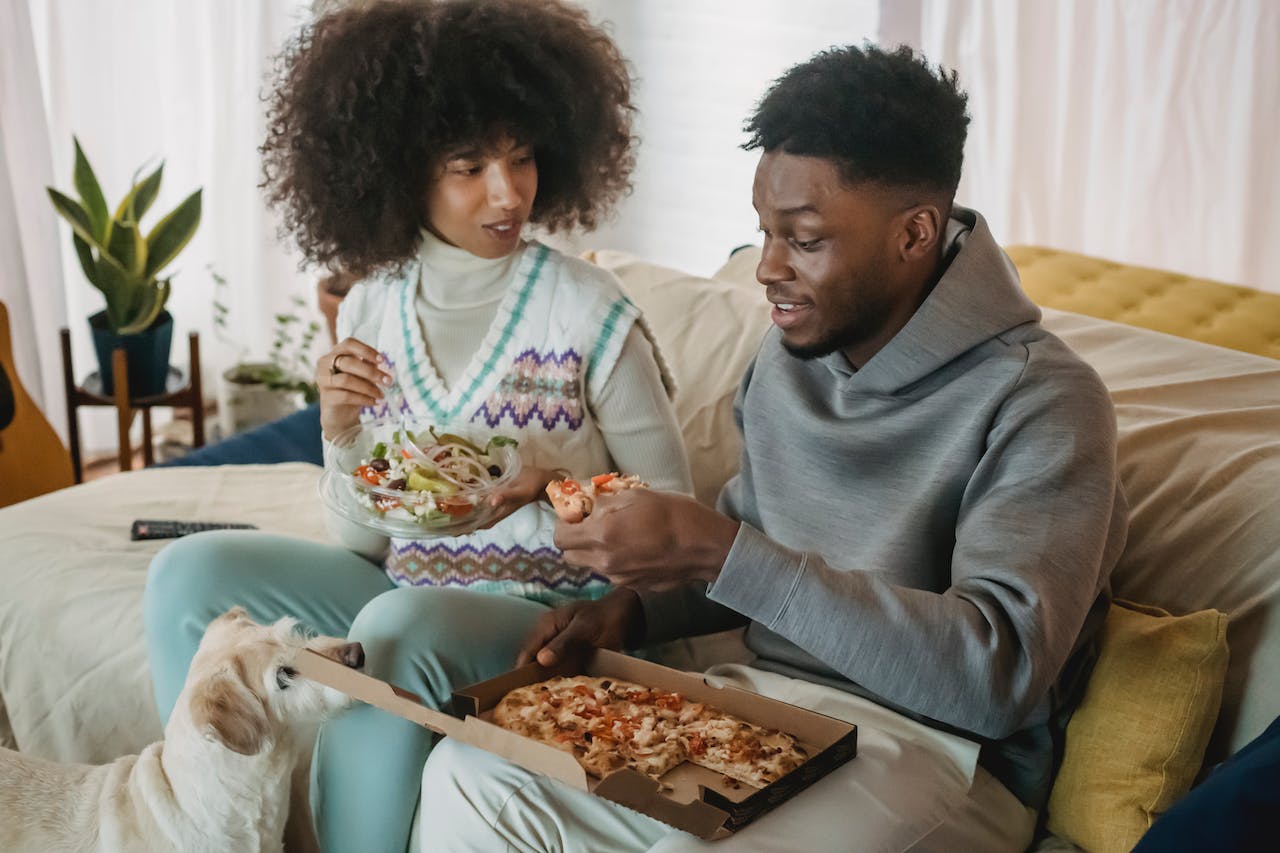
<point x="413" y="142"/>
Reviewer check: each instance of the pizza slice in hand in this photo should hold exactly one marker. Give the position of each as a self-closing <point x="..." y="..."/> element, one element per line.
<point x="573" y="501"/>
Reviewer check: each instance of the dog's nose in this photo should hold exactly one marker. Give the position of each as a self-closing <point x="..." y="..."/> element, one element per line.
<point x="353" y="655"/>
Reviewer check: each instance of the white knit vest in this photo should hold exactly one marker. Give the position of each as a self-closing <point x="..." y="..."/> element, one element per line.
<point x="552" y="344"/>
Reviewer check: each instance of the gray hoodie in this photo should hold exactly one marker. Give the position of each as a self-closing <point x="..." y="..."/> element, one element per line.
<point x="934" y="531"/>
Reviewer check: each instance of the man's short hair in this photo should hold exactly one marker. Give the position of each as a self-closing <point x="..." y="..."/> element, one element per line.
<point x="886" y="117"/>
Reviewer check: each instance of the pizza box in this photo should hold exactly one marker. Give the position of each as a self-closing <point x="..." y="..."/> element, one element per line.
<point x="692" y="798"/>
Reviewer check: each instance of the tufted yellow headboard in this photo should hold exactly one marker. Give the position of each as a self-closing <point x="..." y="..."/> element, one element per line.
<point x="1226" y="315"/>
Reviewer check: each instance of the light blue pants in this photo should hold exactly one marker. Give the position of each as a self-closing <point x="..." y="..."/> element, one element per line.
<point x="368" y="764"/>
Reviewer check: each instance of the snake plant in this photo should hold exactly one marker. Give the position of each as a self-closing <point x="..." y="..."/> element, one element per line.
<point x="115" y="256"/>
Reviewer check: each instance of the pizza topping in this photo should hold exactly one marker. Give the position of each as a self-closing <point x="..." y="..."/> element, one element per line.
<point x="573" y="500"/>
<point x="608" y="723"/>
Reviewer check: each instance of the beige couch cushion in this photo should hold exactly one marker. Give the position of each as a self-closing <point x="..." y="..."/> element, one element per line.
<point x="708" y="331"/>
<point x="1200" y="458"/>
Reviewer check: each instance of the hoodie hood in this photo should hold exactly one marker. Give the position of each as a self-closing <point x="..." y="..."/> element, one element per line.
<point x="979" y="297"/>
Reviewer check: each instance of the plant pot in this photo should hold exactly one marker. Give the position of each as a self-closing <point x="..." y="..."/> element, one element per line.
<point x="147" y="353"/>
<point x="243" y="405"/>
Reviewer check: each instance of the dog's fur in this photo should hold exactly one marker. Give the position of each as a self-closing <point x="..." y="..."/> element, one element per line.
<point x="219" y="781"/>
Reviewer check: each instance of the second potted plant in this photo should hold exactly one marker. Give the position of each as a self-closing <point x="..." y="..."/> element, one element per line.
<point x="255" y="392"/>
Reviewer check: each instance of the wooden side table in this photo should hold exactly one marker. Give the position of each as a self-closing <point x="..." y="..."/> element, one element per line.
<point x="180" y="392"/>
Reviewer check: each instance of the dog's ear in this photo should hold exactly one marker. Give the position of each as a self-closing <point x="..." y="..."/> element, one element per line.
<point x="223" y="706"/>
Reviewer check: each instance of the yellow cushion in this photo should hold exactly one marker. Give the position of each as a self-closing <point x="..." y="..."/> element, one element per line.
<point x="1225" y="315"/>
<point x="1135" y="744"/>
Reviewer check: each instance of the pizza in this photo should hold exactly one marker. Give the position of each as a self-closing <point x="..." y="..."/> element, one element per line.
<point x="573" y="501"/>
<point x="608" y="724"/>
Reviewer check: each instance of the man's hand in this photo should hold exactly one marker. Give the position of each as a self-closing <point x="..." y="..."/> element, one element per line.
<point x="615" y="622"/>
<point x="649" y="539"/>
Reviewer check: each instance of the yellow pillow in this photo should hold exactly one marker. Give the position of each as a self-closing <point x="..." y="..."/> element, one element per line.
<point x="1136" y="742"/>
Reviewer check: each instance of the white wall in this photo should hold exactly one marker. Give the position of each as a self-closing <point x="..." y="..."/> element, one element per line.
<point x="701" y="66"/>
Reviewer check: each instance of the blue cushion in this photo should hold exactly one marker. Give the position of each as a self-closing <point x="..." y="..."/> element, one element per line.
<point x="293" y="438"/>
<point x="1236" y="808"/>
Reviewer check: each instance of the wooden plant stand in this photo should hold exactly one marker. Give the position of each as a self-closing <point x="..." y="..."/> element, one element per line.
<point x="180" y="392"/>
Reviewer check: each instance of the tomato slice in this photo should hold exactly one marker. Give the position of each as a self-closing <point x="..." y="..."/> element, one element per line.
<point x="570" y="487"/>
<point x="369" y="475"/>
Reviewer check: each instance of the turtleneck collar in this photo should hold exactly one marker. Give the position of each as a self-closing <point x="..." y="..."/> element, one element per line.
<point x="452" y="278"/>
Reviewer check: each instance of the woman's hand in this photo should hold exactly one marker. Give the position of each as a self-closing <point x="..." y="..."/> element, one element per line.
<point x="527" y="486"/>
<point x="349" y="377"/>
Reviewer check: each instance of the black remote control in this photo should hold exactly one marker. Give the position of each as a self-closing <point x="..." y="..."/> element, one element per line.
<point x="164" y="529"/>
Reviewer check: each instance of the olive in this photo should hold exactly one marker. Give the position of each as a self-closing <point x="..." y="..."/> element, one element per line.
<point x="380" y="465"/>
<point x="398" y="484"/>
<point x="495" y="471"/>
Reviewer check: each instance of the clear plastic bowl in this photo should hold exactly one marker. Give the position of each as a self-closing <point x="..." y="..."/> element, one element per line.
<point x="406" y="513"/>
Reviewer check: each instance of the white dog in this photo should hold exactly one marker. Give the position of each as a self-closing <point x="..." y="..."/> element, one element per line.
<point x="218" y="782"/>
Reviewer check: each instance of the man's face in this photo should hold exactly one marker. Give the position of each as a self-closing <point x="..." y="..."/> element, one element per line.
<point x="828" y="257"/>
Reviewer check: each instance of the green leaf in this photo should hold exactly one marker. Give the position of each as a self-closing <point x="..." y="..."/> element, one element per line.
<point x="128" y="247"/>
<point x="152" y="305"/>
<point x="85" y="254"/>
<point x="172" y="234"/>
<point x="141" y="197"/>
<point x="90" y="193"/>
<point x="110" y="279"/>
<point x="77" y="217"/>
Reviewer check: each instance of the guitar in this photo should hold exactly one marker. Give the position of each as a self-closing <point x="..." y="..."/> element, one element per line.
<point x="32" y="458"/>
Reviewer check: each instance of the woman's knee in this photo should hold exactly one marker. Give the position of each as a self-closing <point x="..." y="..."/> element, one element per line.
<point x="187" y="569"/>
<point x="439" y="637"/>
<point x="401" y="619"/>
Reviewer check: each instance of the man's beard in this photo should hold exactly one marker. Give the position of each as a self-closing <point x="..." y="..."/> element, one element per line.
<point x="867" y="320"/>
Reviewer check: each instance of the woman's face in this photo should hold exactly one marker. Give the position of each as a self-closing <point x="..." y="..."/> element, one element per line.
<point x="480" y="199"/>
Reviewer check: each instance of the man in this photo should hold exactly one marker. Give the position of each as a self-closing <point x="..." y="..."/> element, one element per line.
<point x="926" y="515"/>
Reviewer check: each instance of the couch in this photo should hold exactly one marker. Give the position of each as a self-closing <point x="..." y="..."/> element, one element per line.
<point x="1199" y="448"/>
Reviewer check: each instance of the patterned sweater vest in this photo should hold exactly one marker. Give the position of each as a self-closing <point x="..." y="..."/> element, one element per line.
<point x="552" y="344"/>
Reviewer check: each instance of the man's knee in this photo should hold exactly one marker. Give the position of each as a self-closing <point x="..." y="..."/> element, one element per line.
<point x="459" y="798"/>
<point x="445" y="772"/>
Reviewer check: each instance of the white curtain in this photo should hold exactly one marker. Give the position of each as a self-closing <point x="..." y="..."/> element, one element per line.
<point x="701" y="67"/>
<point x="1143" y="131"/>
<point x="30" y="274"/>
<point x="148" y="80"/>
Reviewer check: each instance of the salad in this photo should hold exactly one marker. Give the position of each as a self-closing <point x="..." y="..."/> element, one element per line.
<point x="433" y="479"/>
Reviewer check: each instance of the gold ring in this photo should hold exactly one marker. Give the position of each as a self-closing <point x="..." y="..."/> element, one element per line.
<point x="334" y="370"/>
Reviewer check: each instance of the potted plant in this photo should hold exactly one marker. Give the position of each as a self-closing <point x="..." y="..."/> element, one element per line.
<point x="125" y="265"/>
<point x="254" y="392"/>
